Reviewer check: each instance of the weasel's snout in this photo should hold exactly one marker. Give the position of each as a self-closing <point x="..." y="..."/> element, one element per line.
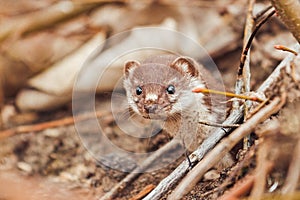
<point x="150" y="108"/>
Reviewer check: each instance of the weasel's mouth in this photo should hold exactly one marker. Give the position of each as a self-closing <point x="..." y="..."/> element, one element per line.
<point x="155" y="116"/>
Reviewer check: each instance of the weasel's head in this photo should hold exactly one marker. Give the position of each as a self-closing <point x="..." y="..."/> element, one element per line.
<point x="161" y="87"/>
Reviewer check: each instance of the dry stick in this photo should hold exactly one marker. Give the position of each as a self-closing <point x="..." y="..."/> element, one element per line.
<point x="234" y="117"/>
<point x="239" y="85"/>
<point x="51" y="124"/>
<point x="227" y="94"/>
<point x="246" y="74"/>
<point x="247" y="34"/>
<point x="276" y="73"/>
<point x="261" y="13"/>
<point x="243" y="186"/>
<point x="248" y="45"/>
<point x="261" y="171"/>
<point x="239" y="189"/>
<point x="284" y="48"/>
<point x="218" y="125"/>
<point x="143" y="192"/>
<point x="293" y="172"/>
<point x="136" y="172"/>
<point x="213" y="157"/>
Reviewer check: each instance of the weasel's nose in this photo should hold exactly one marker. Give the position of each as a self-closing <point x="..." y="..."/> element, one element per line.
<point x="150" y="108"/>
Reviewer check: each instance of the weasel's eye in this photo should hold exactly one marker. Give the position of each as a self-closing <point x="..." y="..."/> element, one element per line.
<point x="138" y="90"/>
<point x="171" y="89"/>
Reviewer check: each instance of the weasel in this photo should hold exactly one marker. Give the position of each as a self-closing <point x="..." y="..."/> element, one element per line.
<point x="160" y="88"/>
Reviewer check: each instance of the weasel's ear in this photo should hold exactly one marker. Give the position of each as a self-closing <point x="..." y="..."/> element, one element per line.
<point x="185" y="65"/>
<point x="130" y="65"/>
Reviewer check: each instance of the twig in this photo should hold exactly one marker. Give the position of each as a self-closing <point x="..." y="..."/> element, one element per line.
<point x="261" y="13"/>
<point x="276" y="73"/>
<point x="246" y="74"/>
<point x="293" y="172"/>
<point x="51" y="124"/>
<point x="215" y="155"/>
<point x="257" y="108"/>
<point x="233" y="118"/>
<point x="244" y="186"/>
<point x="283" y="48"/>
<point x="218" y="125"/>
<point x="261" y="171"/>
<point x="143" y="193"/>
<point x="227" y="94"/>
<point x="247" y="35"/>
<point x="240" y="84"/>
<point x="136" y="172"/>
<point x="249" y="42"/>
<point x="239" y="189"/>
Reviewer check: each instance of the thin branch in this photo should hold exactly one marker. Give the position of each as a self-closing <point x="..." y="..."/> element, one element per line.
<point x="143" y="192"/>
<point x="262" y="13"/>
<point x="247" y="35"/>
<point x="136" y="172"/>
<point x="243" y="187"/>
<point x="227" y="94"/>
<point x="276" y="73"/>
<point x="293" y="175"/>
<point x="283" y="48"/>
<point x="246" y="76"/>
<point x="248" y="45"/>
<point x="218" y="125"/>
<point x="261" y="171"/>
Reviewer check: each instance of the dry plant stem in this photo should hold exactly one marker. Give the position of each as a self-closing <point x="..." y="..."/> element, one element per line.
<point x="239" y="189"/>
<point x="218" y="125"/>
<point x="143" y="193"/>
<point x="42" y="19"/>
<point x="288" y="10"/>
<point x="227" y="94"/>
<point x="249" y="42"/>
<point x="215" y="155"/>
<point x="247" y="35"/>
<point x="276" y="73"/>
<point x="261" y="171"/>
<point x="51" y="124"/>
<point x="260" y="14"/>
<point x="256" y="109"/>
<point x="246" y="75"/>
<point x="233" y="118"/>
<point x="244" y="186"/>
<point x="239" y="85"/>
<point x="136" y="172"/>
<point x="283" y="48"/>
<point x="293" y="172"/>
